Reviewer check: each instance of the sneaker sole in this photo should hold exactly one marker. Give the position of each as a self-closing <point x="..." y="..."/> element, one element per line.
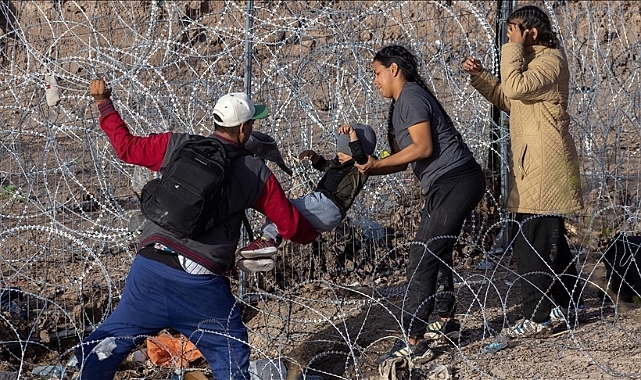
<point x="256" y="265"/>
<point x="427" y="356"/>
<point x="259" y="253"/>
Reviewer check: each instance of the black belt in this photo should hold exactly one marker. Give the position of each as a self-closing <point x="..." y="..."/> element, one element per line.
<point x="169" y="258"/>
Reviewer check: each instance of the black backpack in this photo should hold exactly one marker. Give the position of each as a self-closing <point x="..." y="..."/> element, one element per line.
<point x="185" y="199"/>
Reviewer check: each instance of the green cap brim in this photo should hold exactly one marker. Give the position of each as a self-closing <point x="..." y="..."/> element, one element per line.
<point x="260" y="111"/>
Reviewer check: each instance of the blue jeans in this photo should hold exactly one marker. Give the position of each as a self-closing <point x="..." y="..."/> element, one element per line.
<point x="320" y="211"/>
<point x="156" y="297"/>
<point x="449" y="201"/>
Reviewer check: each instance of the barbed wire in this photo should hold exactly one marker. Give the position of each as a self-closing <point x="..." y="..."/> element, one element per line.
<point x="68" y="210"/>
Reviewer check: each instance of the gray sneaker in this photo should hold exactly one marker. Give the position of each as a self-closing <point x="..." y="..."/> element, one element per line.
<point x="256" y="265"/>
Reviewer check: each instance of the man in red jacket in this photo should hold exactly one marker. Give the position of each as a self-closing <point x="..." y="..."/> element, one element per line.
<point x="179" y="283"/>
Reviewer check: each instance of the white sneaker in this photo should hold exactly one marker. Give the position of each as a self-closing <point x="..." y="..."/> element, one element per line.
<point x="528" y="329"/>
<point x="256" y="265"/>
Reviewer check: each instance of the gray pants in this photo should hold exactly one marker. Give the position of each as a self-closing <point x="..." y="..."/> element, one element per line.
<point x="319" y="210"/>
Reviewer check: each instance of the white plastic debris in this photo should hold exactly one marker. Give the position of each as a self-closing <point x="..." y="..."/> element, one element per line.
<point x="264" y="369"/>
<point x="104" y="349"/>
<point x="52" y="93"/>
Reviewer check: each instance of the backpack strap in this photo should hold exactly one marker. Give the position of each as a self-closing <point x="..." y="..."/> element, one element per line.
<point x="248" y="227"/>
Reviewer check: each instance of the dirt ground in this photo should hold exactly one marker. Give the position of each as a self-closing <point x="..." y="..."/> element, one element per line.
<point x="345" y="340"/>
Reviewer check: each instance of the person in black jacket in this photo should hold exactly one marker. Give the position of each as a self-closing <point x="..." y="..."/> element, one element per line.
<point x="328" y="204"/>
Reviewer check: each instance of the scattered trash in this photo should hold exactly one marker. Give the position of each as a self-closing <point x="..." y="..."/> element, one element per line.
<point x="52" y="93"/>
<point x="470" y="283"/>
<point x="140" y="177"/>
<point x="49" y="371"/>
<point x="438" y="371"/>
<point x="371" y="229"/>
<point x="73" y="362"/>
<point x="104" y="349"/>
<point x="265" y="369"/>
<point x="172" y="352"/>
<point x="139" y="357"/>
<point x="395" y="368"/>
<point x="484" y="265"/>
<point x="494" y="347"/>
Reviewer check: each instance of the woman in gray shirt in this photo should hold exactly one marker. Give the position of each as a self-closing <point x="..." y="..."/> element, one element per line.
<point x="422" y="135"/>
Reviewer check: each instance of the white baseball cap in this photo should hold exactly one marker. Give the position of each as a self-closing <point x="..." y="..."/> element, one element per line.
<point x="236" y="108"/>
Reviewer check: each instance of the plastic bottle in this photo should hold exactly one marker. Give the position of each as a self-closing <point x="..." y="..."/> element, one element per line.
<point x="51" y="90"/>
<point x="494" y="347"/>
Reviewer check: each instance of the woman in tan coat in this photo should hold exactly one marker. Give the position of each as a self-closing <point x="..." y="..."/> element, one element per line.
<point x="544" y="167"/>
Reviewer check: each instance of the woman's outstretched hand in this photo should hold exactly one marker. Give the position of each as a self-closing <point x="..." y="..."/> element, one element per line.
<point x="368" y="166"/>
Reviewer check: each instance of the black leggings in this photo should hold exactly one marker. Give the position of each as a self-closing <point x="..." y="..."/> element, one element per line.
<point x="448" y="202"/>
<point x="544" y="261"/>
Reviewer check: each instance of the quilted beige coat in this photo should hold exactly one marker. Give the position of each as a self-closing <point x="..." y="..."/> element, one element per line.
<point x="544" y="166"/>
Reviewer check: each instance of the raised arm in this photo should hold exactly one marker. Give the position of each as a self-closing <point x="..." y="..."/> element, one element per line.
<point x="144" y="151"/>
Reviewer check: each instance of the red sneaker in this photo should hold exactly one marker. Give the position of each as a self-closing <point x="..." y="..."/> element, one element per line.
<point x="259" y="248"/>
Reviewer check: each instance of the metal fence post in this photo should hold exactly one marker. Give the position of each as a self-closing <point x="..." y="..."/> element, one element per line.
<point x="249" y="25"/>
<point x="502" y="122"/>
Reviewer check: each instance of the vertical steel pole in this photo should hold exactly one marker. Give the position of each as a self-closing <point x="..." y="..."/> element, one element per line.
<point x="249" y="25"/>
<point x="502" y="120"/>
